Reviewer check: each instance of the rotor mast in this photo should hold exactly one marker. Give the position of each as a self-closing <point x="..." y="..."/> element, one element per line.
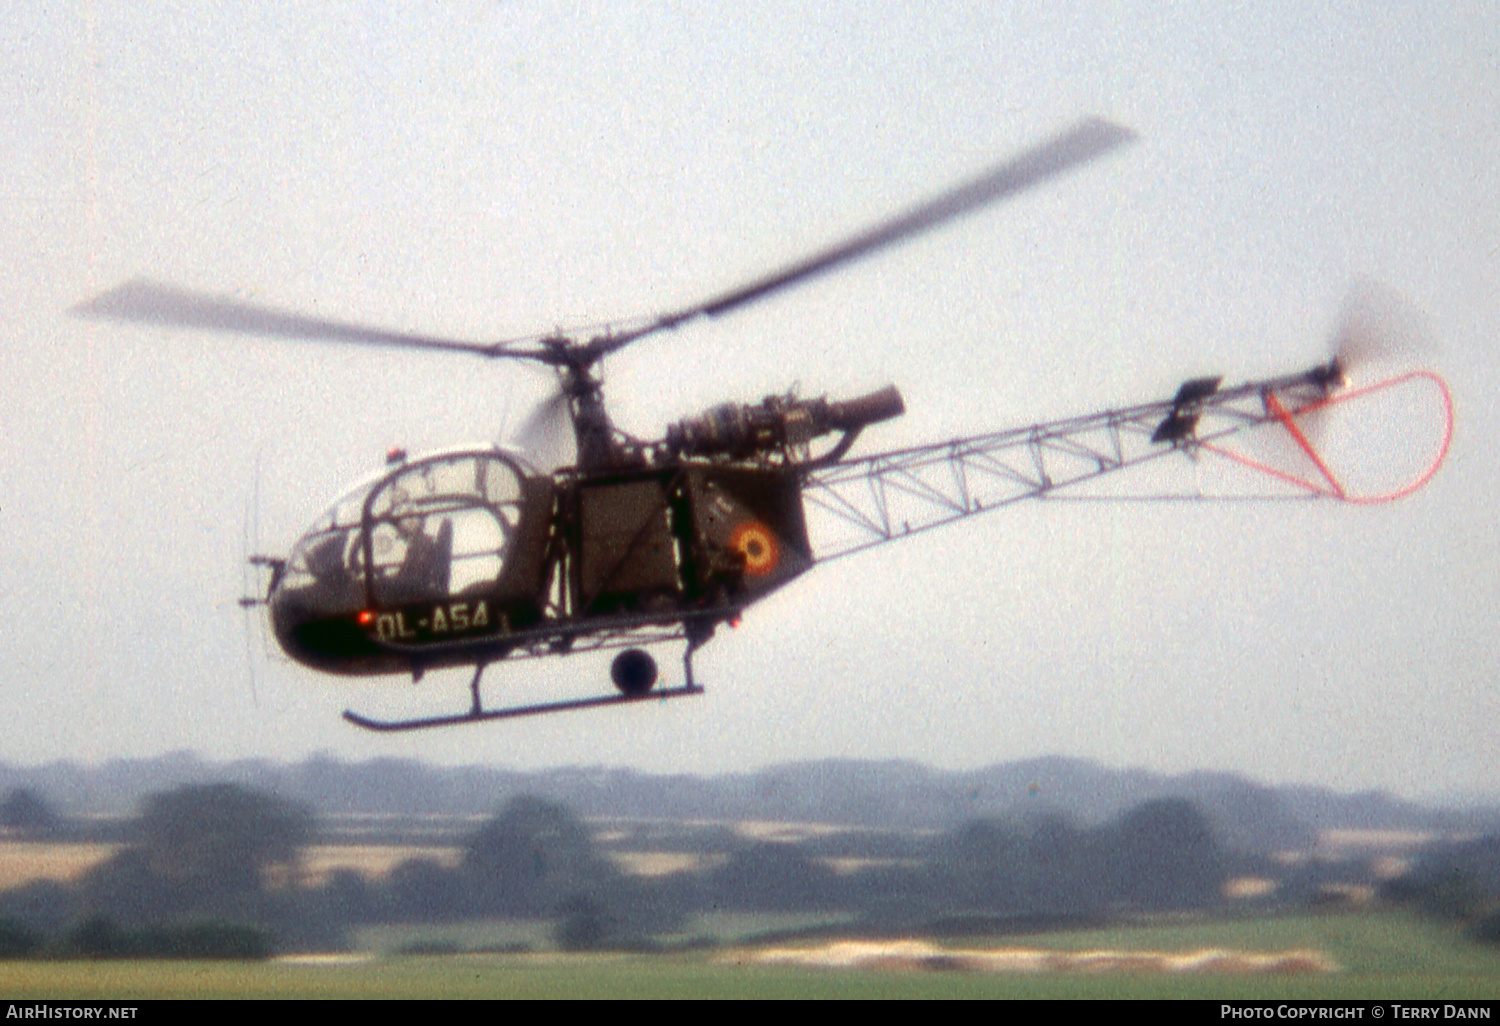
<point x="594" y="432"/>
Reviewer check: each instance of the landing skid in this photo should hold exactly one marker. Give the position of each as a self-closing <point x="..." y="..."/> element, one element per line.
<point x="478" y="714"/>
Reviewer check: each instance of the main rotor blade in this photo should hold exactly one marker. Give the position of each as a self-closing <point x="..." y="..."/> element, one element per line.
<point x="146" y="302"/>
<point x="1084" y="142"/>
<point x="141" y="301"/>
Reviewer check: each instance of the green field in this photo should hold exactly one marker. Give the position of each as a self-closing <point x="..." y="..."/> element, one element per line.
<point x="492" y="935"/>
<point x="1383" y="955"/>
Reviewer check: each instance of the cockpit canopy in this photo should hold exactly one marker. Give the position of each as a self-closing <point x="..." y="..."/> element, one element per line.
<point x="436" y="528"/>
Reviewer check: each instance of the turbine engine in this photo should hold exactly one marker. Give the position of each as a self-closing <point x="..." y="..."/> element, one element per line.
<point x="778" y="422"/>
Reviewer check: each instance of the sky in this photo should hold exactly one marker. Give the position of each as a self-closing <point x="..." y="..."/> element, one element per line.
<point x="490" y="170"/>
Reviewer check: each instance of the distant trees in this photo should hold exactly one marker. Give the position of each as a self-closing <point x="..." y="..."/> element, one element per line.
<point x="220" y="841"/>
<point x="1068" y="867"/>
<point x="981" y="865"/>
<point x="1160" y="855"/>
<point x="1458" y="881"/>
<point x="18" y="938"/>
<point x="1486" y="928"/>
<point x="211" y="853"/>
<point x="27" y="813"/>
<point x="771" y="877"/>
<point x="534" y="858"/>
<point x="101" y="937"/>
<point x="45" y="906"/>
<point x="423" y="890"/>
<point x="1164" y="855"/>
<point x="219" y="868"/>
<point x="209" y="872"/>
<point x="531" y="856"/>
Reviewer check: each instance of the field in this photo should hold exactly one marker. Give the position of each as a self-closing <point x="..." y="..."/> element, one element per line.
<point x="22" y="862"/>
<point x="1357" y="952"/>
<point x="1380" y="955"/>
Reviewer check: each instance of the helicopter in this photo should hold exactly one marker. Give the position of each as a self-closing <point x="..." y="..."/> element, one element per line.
<point x="472" y="556"/>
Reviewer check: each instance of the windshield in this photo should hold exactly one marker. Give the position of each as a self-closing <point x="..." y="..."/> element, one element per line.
<point x="432" y="529"/>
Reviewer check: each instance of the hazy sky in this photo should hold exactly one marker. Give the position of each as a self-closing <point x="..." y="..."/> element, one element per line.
<point x="487" y="170"/>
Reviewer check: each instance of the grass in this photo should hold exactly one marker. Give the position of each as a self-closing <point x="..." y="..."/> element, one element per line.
<point x="533" y="935"/>
<point x="479" y="935"/>
<point x="1384" y="955"/>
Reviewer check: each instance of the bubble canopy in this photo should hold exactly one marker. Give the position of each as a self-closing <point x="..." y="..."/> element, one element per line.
<point x="436" y="530"/>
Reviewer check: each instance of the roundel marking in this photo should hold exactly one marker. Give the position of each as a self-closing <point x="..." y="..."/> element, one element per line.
<point x="757" y="544"/>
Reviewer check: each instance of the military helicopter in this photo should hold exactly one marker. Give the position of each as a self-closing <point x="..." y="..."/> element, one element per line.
<point x="468" y="557"/>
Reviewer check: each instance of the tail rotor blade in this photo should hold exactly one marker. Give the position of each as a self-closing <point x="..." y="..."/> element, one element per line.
<point x="1377" y="326"/>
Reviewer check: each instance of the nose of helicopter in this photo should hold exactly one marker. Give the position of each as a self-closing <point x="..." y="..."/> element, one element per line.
<point x="319" y="638"/>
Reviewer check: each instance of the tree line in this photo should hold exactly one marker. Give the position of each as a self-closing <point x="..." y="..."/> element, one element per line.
<point x="1458" y="882"/>
<point x="219" y="870"/>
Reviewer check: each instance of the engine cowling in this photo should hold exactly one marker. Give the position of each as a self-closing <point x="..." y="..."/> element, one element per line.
<point x="778" y="422"/>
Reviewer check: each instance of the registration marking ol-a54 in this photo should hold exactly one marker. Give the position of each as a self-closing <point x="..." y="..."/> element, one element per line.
<point x="445" y="619"/>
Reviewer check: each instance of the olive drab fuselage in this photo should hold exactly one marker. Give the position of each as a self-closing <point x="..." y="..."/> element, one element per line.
<point x="468" y="555"/>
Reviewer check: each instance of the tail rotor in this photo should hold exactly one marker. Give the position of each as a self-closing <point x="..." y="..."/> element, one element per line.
<point x="1373" y="431"/>
<point x="1376" y="326"/>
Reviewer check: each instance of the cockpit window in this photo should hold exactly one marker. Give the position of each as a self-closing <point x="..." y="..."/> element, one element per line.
<point x="434" y="529"/>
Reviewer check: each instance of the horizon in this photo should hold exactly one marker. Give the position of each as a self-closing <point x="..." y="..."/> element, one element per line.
<point x="1457" y="802"/>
